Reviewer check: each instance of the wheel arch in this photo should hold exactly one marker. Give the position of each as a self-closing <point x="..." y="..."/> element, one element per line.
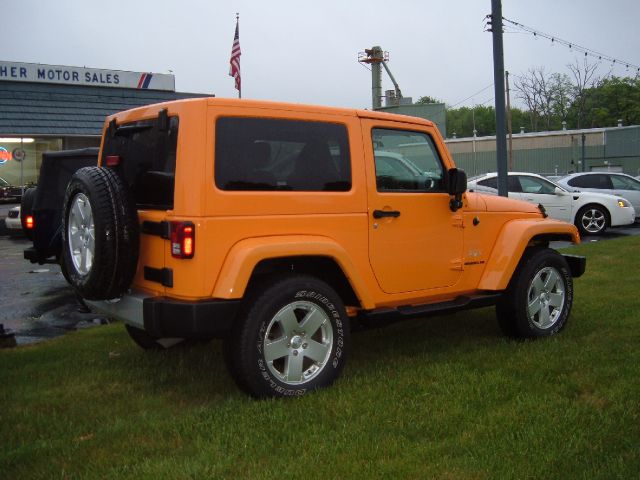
<point x="515" y="237"/>
<point x="251" y="260"/>
<point x="594" y="204"/>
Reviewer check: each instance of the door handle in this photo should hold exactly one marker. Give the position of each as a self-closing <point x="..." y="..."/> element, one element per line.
<point x="386" y="213"/>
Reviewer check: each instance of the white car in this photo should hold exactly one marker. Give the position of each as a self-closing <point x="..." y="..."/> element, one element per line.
<point x="13" y="222"/>
<point x="591" y="212"/>
<point x="613" y="183"/>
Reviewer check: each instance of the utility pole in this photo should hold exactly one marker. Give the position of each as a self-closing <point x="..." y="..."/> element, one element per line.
<point x="498" y="79"/>
<point x="509" y="129"/>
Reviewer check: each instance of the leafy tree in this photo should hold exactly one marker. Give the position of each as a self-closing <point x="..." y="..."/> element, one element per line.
<point x="427" y="99"/>
<point x="547" y="96"/>
<point x="461" y="121"/>
<point x="612" y="99"/>
<point x="561" y="98"/>
<point x="582" y="100"/>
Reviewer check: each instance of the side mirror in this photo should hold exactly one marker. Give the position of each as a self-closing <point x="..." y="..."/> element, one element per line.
<point x="560" y="192"/>
<point x="456" y="181"/>
<point x="456" y="186"/>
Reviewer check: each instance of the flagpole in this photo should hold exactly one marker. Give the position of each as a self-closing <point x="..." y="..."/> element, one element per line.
<point x="234" y="61"/>
<point x="238" y="26"/>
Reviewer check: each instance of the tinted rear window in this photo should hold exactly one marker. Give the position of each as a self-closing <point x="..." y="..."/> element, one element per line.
<point x="147" y="151"/>
<point x="270" y="154"/>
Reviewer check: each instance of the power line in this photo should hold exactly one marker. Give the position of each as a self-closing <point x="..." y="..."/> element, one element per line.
<point x="486" y="101"/>
<point x="471" y="96"/>
<point x="588" y="52"/>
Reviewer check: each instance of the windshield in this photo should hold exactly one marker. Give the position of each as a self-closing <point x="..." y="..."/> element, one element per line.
<point x="3" y="182"/>
<point x="557" y="185"/>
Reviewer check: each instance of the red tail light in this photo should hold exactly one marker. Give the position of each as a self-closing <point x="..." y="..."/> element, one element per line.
<point x="28" y="222"/>
<point x="183" y="239"/>
<point x="112" y="160"/>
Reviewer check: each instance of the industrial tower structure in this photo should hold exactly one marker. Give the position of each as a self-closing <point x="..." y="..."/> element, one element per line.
<point x="375" y="57"/>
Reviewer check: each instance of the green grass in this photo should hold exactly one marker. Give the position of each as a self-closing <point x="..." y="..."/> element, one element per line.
<point x="446" y="397"/>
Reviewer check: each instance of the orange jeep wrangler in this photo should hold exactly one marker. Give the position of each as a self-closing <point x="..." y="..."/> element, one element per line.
<point x="275" y="225"/>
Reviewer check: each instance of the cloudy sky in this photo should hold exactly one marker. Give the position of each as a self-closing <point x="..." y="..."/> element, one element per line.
<point x="306" y="51"/>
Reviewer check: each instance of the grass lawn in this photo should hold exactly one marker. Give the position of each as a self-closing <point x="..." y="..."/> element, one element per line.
<point x="446" y="397"/>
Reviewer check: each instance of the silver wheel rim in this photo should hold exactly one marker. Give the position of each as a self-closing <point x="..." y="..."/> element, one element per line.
<point x="593" y="220"/>
<point x="81" y="234"/>
<point x="298" y="342"/>
<point x="546" y="298"/>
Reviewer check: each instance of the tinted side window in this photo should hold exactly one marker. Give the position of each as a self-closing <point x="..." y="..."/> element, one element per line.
<point x="489" y="182"/>
<point x="406" y="161"/>
<point x="513" y="184"/>
<point x="591" y="181"/>
<point x="147" y="151"/>
<point x="270" y="154"/>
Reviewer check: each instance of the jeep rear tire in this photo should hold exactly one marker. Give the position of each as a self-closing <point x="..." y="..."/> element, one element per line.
<point x="291" y="338"/>
<point x="100" y="237"/>
<point x="538" y="301"/>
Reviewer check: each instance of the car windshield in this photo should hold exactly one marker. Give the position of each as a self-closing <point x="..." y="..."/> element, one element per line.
<point x="557" y="185"/>
<point x="3" y="182"/>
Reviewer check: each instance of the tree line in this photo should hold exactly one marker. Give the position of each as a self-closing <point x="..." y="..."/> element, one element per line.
<point x="580" y="99"/>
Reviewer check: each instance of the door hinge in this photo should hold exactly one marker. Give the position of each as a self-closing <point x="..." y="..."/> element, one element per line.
<point x="160" y="229"/>
<point x="163" y="276"/>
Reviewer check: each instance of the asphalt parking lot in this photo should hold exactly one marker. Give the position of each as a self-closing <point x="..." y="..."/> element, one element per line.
<point x="37" y="303"/>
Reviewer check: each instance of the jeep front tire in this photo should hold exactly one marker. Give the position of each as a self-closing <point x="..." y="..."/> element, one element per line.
<point x="538" y="301"/>
<point x="291" y="338"/>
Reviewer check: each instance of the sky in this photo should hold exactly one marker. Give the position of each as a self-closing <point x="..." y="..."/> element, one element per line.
<point x="307" y="51"/>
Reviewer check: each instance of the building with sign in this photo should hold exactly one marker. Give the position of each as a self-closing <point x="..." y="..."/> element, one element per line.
<point x="53" y="107"/>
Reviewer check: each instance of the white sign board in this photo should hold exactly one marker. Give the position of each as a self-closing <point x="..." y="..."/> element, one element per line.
<point x="39" y="73"/>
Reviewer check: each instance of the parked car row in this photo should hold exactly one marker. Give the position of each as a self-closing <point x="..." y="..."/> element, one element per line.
<point x="613" y="183"/>
<point x="9" y="192"/>
<point x="591" y="211"/>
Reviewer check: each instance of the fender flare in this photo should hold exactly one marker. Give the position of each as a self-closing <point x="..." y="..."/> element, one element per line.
<point x="514" y="238"/>
<point x="243" y="257"/>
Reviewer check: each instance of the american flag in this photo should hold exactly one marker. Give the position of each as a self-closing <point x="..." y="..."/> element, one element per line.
<point x="234" y="69"/>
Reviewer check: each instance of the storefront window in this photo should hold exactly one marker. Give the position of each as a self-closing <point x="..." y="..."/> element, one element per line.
<point x="24" y="171"/>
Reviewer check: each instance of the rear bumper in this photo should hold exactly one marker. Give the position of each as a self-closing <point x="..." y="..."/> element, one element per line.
<point x="13" y="225"/>
<point x="164" y="317"/>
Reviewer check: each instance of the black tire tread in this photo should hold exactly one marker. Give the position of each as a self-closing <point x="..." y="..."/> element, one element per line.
<point x="509" y="309"/>
<point x="239" y="348"/>
<point x="116" y="234"/>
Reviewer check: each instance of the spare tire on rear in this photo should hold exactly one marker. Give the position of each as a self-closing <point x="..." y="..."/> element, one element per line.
<point x="100" y="234"/>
